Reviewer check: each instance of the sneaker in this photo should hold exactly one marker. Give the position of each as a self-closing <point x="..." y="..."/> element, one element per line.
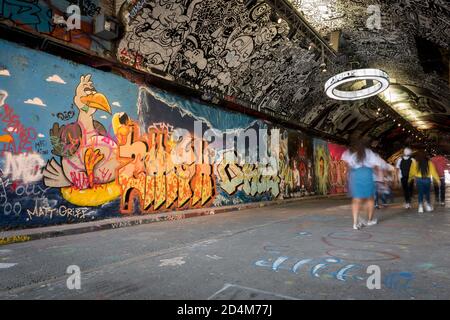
<point x="362" y="222"/>
<point x="420" y="208"/>
<point x="357" y="226"/>
<point x="406" y="205"/>
<point x="428" y="207"/>
<point x="372" y="222"/>
<point x="442" y="204"/>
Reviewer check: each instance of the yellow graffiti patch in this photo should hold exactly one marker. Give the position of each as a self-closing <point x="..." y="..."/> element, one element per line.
<point x="96" y="196"/>
<point x="14" y="239"/>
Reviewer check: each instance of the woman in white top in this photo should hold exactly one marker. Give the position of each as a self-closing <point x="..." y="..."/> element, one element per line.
<point x="362" y="163"/>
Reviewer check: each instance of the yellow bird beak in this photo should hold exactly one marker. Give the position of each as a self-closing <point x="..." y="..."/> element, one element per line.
<point x="97" y="101"/>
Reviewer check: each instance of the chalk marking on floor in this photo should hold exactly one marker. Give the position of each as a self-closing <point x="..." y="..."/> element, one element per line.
<point x="214" y="257"/>
<point x="227" y="234"/>
<point x="229" y="285"/>
<point x="177" y="261"/>
<point x="4" y="265"/>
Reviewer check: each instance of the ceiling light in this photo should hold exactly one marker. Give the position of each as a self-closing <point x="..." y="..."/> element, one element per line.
<point x="380" y="77"/>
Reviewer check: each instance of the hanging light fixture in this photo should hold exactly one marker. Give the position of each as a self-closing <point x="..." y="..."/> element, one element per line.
<point x="379" y="77"/>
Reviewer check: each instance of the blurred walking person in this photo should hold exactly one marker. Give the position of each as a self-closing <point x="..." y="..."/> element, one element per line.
<point x="441" y="163"/>
<point x="423" y="171"/>
<point x="403" y="165"/>
<point x="380" y="183"/>
<point x="389" y="178"/>
<point x="361" y="163"/>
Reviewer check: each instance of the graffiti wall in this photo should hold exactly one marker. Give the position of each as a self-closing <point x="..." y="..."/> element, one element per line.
<point x="58" y="145"/>
<point x="78" y="144"/>
<point x="330" y="171"/>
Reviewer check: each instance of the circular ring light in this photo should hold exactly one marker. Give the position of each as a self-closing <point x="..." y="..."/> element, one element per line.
<point x="380" y="77"/>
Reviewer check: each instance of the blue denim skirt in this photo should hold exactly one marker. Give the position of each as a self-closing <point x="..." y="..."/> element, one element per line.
<point x="361" y="183"/>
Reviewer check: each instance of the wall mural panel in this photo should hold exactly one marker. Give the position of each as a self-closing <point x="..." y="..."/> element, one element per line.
<point x="330" y="171"/>
<point x="57" y="139"/>
<point x="78" y="144"/>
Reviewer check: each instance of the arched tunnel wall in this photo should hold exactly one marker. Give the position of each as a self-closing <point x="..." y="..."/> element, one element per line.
<point x="55" y="169"/>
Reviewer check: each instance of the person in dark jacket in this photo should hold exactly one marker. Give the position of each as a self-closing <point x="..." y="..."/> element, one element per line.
<point x="404" y="165"/>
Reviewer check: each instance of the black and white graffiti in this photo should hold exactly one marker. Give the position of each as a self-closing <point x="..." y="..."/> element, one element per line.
<point x="239" y="50"/>
<point x="221" y="46"/>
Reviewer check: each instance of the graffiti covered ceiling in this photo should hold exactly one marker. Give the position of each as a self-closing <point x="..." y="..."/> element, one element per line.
<point x="242" y="49"/>
<point x="221" y="46"/>
<point x="246" y="52"/>
<point x="410" y="42"/>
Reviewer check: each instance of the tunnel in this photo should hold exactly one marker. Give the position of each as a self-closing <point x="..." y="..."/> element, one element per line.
<point x="274" y="124"/>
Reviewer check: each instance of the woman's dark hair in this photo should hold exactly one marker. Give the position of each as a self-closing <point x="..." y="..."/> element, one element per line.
<point x="358" y="147"/>
<point x="422" y="162"/>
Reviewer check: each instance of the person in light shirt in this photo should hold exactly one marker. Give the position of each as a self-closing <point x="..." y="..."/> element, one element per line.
<point x="362" y="164"/>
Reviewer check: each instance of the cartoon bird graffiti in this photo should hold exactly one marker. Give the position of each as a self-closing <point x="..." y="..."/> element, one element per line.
<point x="87" y="171"/>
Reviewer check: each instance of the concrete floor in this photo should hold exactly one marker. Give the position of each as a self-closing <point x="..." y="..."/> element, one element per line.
<point x="301" y="250"/>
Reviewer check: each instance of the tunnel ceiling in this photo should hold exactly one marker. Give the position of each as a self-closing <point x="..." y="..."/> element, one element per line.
<point x="243" y="51"/>
<point x="411" y="45"/>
